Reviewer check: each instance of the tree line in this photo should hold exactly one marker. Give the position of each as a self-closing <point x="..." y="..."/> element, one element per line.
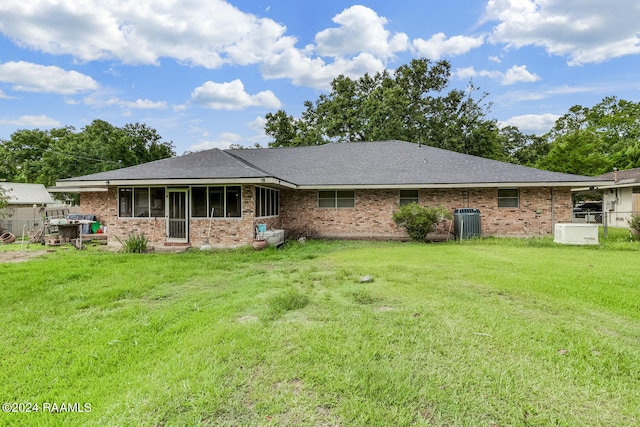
<point x="414" y="104"/>
<point x="45" y="156"/>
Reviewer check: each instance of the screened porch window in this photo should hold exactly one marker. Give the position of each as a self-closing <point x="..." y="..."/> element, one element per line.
<point x="216" y="202"/>
<point x="141" y="202"/>
<point x="267" y="202"/>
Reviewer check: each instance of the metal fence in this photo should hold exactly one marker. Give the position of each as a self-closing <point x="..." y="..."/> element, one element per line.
<point x="616" y="219"/>
<point x="22" y="220"/>
<point x="587" y="217"/>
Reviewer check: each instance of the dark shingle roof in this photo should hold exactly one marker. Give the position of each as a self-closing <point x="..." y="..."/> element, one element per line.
<point x="204" y="164"/>
<point x="623" y="177"/>
<point x="390" y="163"/>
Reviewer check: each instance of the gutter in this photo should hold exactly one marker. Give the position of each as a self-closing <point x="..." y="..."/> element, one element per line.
<point x="595" y="184"/>
<point x="102" y="185"/>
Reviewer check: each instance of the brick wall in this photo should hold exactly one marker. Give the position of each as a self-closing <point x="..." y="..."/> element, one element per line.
<point x="223" y="232"/>
<point x="371" y="216"/>
<point x="369" y="219"/>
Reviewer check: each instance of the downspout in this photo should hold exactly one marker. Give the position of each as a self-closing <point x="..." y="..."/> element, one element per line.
<point x="553" y="212"/>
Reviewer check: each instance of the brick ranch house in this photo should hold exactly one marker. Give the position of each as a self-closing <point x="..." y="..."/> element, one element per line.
<point x="338" y="190"/>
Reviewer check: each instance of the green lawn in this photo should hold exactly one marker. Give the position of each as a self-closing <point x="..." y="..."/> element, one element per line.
<point x="490" y="332"/>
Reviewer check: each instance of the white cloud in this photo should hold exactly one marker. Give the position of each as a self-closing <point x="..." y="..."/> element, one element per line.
<point x="316" y="73"/>
<point x="585" y="31"/>
<point x="5" y="96"/>
<point x="232" y="96"/>
<point x="28" y="77"/>
<point x="32" y="122"/>
<point x="101" y="100"/>
<point x="208" y="33"/>
<point x="223" y="142"/>
<point x="515" y="74"/>
<point x="138" y="104"/>
<point x="519" y="73"/>
<point x="361" y="30"/>
<point x="360" y="45"/>
<point x="470" y="72"/>
<point x="258" y="124"/>
<point x="537" y="94"/>
<point x="438" y="45"/>
<point x="537" y="124"/>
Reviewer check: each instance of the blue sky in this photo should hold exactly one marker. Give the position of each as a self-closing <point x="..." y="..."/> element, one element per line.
<point x="204" y="73"/>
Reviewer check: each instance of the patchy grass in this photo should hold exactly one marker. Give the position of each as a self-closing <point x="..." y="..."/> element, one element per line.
<point x="484" y="332"/>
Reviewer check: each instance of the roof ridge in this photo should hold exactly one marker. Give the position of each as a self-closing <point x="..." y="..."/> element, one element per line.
<point x="246" y="162"/>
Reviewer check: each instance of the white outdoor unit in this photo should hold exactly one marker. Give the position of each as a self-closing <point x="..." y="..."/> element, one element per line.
<point x="576" y="234"/>
<point x="274" y="237"/>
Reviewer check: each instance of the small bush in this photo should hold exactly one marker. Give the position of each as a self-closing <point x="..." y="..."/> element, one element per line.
<point x="634" y="226"/>
<point x="420" y="220"/>
<point x="134" y="243"/>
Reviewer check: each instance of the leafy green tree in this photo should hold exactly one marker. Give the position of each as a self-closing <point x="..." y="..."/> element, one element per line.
<point x="578" y="152"/>
<point x="520" y="148"/>
<point x="410" y="104"/>
<point x="44" y="157"/>
<point x="3" y="198"/>
<point x="611" y="127"/>
<point x="21" y="156"/>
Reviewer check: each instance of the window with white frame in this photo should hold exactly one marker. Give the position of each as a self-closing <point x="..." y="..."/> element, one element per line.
<point x="408" y="196"/>
<point x="267" y="202"/>
<point x="508" y="197"/>
<point x="336" y="198"/>
<point x="216" y="202"/>
<point x="141" y="202"/>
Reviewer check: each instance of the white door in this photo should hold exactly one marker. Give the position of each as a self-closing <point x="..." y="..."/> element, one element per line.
<point x="177" y="218"/>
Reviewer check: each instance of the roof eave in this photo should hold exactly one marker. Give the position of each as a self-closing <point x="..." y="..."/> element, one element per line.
<point x="70" y="186"/>
<point x="613" y="185"/>
<point x="588" y="184"/>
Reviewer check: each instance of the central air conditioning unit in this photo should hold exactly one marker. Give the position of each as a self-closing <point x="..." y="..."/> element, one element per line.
<point x="576" y="234"/>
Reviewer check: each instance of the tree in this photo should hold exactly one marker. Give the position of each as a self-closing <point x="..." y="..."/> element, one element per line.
<point x="21" y="156"/>
<point x="409" y="104"/>
<point x="522" y="149"/>
<point x="3" y="198"/>
<point x="611" y="128"/>
<point x="578" y="152"/>
<point x="44" y="157"/>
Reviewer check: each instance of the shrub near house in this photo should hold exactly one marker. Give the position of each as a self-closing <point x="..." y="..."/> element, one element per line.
<point x="419" y="220"/>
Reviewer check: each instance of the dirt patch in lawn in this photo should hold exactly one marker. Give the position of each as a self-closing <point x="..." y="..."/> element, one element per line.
<point x="19" y="256"/>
